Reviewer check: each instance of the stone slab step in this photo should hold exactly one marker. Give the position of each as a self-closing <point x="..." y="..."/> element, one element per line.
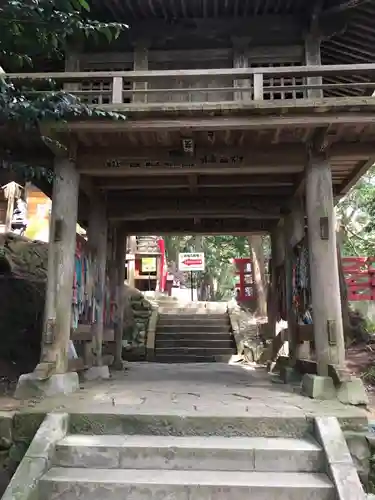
<point x="115" y="484"/>
<point x="194" y="318"/>
<point x="199" y="326"/>
<point x="185" y="359"/>
<point x="201" y="343"/>
<point x="190" y="311"/>
<point x="190" y="453"/>
<point x="177" y="335"/>
<point x="194" y="351"/>
<point x="221" y="421"/>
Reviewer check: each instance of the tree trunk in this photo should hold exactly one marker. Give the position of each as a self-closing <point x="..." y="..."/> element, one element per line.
<point x="257" y="254"/>
<point x="343" y="290"/>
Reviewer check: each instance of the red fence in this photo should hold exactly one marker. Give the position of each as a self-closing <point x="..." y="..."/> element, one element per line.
<point x="245" y="285"/>
<point x="359" y="275"/>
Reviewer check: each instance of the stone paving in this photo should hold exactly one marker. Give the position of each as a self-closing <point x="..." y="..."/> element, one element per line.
<point x="193" y="388"/>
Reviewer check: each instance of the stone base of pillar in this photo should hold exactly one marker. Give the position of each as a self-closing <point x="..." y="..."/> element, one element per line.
<point x="317" y="387"/>
<point x="120" y="365"/>
<point x="289" y="375"/>
<point x="30" y="386"/>
<point x="96" y="373"/>
<point x="353" y="392"/>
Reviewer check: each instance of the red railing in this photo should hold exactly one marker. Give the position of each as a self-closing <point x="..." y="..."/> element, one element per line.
<point x="359" y="275"/>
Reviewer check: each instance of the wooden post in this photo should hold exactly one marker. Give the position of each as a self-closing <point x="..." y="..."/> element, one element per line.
<point x="313" y="57"/>
<point x="291" y="317"/>
<point x="12" y="191"/>
<point x="61" y="254"/>
<point x="325" y="286"/>
<point x="131" y="262"/>
<point x="241" y="60"/>
<point x="272" y="293"/>
<point x="97" y="238"/>
<point x="140" y="64"/>
<point x="120" y="255"/>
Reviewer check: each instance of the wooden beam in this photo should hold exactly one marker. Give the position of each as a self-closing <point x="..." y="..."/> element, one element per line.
<point x="234" y="123"/>
<point x="211" y="163"/>
<point x="259" y="54"/>
<point x="203" y="182"/>
<point x="172" y="208"/>
<point x="334" y="70"/>
<point x="291" y="152"/>
<point x="237" y="226"/>
<point x="354" y="177"/>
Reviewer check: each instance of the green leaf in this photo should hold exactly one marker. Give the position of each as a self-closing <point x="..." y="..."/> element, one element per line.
<point x="108" y="33"/>
<point x="84" y="5"/>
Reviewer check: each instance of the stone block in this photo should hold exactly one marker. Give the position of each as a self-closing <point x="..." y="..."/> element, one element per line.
<point x="331" y="437"/>
<point x="346" y="481"/>
<point x="317" y="387"/>
<point x="37" y="459"/>
<point x="289" y="375"/>
<point x="353" y="392"/>
<point x="6" y="430"/>
<point x="97" y="373"/>
<point x="30" y="386"/>
<point x="360" y="452"/>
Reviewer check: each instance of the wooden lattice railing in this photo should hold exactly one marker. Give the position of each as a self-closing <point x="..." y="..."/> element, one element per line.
<point x="139" y="88"/>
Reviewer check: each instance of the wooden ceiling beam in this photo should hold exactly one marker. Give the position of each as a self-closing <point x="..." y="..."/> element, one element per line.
<point x="171" y="208"/>
<point x="306" y="120"/>
<point x="238" y="226"/>
<point x="293" y="152"/>
<point x="203" y="182"/>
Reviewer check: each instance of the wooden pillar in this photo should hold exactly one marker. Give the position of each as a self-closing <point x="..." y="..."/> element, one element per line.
<point x="131" y="261"/>
<point x="325" y="286"/>
<point x="272" y="294"/>
<point x="61" y="253"/>
<point x="97" y="238"/>
<point x="293" y="233"/>
<point x="120" y="255"/>
<point x="288" y="265"/>
<point x="140" y="64"/>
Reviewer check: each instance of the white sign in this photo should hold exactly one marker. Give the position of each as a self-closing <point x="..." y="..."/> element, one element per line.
<point x="191" y="261"/>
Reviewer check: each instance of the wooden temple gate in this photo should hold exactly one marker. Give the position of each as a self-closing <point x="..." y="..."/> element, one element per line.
<point x="249" y="124"/>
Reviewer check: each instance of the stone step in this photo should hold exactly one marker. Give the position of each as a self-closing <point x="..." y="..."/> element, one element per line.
<point x="178" y="335"/>
<point x="190" y="453"/>
<point x="197" y="326"/>
<point x="184" y="359"/>
<point x="225" y="422"/>
<point x="190" y="314"/>
<point x="201" y="343"/>
<point x="194" y="351"/>
<point x="187" y="310"/>
<point x="115" y="484"/>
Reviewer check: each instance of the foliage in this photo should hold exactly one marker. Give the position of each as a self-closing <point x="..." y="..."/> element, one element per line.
<point x="356" y="218"/>
<point x="217" y="282"/>
<point x="34" y="29"/>
<point x="31" y="28"/>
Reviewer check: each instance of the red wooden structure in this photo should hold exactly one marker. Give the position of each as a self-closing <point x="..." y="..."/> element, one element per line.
<point x="359" y="275"/>
<point x="246" y="284"/>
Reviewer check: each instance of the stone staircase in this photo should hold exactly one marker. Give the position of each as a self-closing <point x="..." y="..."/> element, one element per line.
<point x="193" y="333"/>
<point x="192" y="458"/>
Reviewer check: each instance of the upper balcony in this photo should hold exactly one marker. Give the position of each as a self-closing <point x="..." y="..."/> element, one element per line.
<point x="229" y="91"/>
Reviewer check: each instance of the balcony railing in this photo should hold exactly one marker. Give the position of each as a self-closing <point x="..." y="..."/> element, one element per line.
<point x="134" y="89"/>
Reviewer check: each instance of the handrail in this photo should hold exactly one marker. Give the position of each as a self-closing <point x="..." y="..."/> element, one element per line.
<point x="291" y="71"/>
<point x="245" y="84"/>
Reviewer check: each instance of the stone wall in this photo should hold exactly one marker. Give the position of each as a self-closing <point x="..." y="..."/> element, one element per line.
<point x="16" y="434"/>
